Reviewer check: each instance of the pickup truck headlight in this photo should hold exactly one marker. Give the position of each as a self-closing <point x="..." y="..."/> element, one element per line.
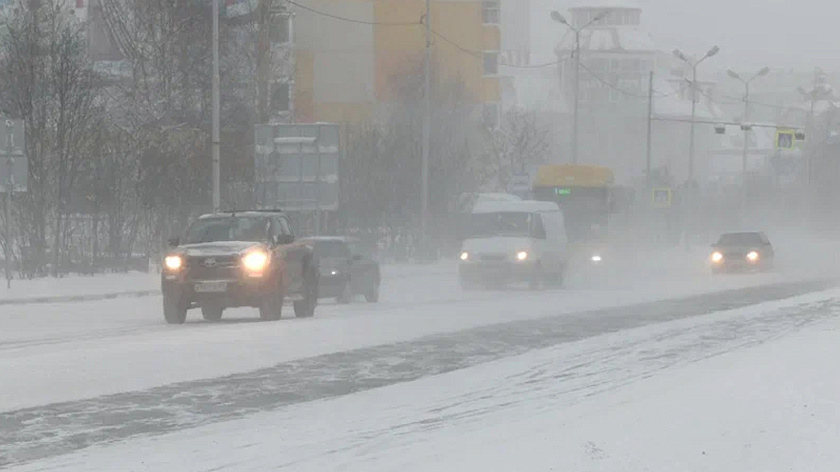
<point x="255" y="261"/>
<point x="173" y="263"/>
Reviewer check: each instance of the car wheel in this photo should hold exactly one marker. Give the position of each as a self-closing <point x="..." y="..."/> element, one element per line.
<point x="174" y="310"/>
<point x="212" y="312"/>
<point x="536" y="278"/>
<point x="346" y="293"/>
<point x="271" y="308"/>
<point x="554" y="280"/>
<point x="468" y="285"/>
<point x="372" y="295"/>
<point x="306" y="307"/>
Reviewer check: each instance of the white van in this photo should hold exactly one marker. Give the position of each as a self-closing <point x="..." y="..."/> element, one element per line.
<point x="514" y="241"/>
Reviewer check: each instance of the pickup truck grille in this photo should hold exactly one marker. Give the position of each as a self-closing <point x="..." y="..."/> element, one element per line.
<point x="493" y="257"/>
<point x="213" y="268"/>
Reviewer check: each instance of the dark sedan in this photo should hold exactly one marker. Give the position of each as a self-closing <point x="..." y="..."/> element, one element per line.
<point x="742" y="252"/>
<point x="346" y="271"/>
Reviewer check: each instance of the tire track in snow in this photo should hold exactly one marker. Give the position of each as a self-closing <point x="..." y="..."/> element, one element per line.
<point x="51" y="430"/>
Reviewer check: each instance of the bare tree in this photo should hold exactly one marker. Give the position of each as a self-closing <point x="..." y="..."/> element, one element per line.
<point x="519" y="143"/>
<point x="49" y="84"/>
<point x="381" y="177"/>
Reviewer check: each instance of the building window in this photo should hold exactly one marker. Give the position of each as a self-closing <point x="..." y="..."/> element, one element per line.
<point x="490" y="12"/>
<point x="279" y="33"/>
<point x="491" y="63"/>
<point x="280" y="97"/>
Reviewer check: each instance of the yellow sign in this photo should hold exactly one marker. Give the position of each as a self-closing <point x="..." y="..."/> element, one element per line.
<point x="662" y="197"/>
<point x="785" y="138"/>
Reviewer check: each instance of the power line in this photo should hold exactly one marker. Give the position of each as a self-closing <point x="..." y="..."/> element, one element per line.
<point x="351" y="20"/>
<point x="475" y="54"/>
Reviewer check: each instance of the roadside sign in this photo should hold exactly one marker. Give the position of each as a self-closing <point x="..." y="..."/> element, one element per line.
<point x="785" y="138"/>
<point x="19" y="165"/>
<point x="520" y="184"/>
<point x="662" y="197"/>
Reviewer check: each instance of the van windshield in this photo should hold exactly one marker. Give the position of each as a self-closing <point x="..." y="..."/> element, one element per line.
<point x="484" y="225"/>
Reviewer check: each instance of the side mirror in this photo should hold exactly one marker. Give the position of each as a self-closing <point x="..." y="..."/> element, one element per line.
<point x="174" y="242"/>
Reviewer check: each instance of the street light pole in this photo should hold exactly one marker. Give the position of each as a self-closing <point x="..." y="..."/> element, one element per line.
<point x="693" y="65"/>
<point x="427" y="129"/>
<point x="556" y="16"/>
<point x="10" y="190"/>
<point x="745" y="122"/>
<point x="693" y="116"/>
<point x="216" y="158"/>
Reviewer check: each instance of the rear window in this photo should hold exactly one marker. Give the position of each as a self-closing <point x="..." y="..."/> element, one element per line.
<point x="741" y="239"/>
<point x="331" y="249"/>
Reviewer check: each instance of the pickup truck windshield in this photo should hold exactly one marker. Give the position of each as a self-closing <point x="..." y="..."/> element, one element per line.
<point x="227" y="229"/>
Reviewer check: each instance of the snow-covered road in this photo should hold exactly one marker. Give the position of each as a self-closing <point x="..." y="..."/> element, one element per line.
<point x="655" y="397"/>
<point x="82" y="375"/>
<point x="62" y="352"/>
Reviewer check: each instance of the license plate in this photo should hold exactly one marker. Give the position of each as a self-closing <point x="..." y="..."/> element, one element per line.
<point x="210" y="287"/>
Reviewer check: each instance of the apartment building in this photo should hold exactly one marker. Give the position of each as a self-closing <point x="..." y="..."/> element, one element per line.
<point x="351" y="54"/>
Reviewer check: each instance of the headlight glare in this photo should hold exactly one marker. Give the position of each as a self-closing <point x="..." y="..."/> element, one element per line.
<point x="521" y="255"/>
<point x="255" y="261"/>
<point x="596" y="258"/>
<point x="717" y="257"/>
<point x="465" y="256"/>
<point x="173" y="262"/>
<point x="752" y="256"/>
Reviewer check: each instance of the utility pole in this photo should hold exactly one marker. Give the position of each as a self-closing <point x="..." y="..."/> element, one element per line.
<point x="10" y="190"/>
<point x="217" y="185"/>
<point x="427" y="123"/>
<point x="649" y="131"/>
<point x="556" y="16"/>
<point x="576" y="120"/>
<point x="265" y="19"/>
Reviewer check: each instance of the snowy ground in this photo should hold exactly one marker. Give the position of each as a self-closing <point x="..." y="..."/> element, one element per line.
<point x="745" y="389"/>
<point x="75" y="377"/>
<point x="66" y="288"/>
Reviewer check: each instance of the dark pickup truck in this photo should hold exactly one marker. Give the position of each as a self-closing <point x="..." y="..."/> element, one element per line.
<point x="237" y="259"/>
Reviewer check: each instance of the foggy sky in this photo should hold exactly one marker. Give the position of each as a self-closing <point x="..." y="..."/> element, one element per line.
<point x="797" y="34"/>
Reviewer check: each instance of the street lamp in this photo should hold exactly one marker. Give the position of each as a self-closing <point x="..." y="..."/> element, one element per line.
<point x="556" y="16"/>
<point x="745" y="126"/>
<point x="693" y="65"/>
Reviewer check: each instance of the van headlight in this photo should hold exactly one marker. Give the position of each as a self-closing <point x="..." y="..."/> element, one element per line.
<point x="717" y="257"/>
<point x="752" y="256"/>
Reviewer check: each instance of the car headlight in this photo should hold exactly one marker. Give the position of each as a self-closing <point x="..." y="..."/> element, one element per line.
<point x="173" y="263"/>
<point x="596" y="258"/>
<point x="465" y="256"/>
<point x="752" y="256"/>
<point x="255" y="261"/>
<point x="522" y="255"/>
<point x="717" y="257"/>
